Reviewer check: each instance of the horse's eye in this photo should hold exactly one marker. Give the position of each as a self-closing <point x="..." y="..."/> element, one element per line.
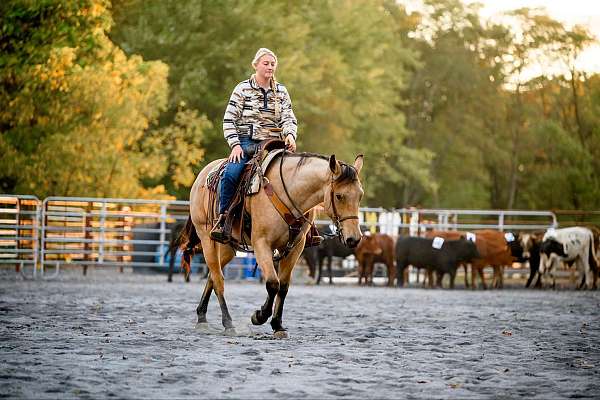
<point x="339" y="196"/>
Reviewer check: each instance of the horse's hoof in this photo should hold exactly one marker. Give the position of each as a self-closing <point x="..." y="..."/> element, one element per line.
<point x="280" y="335"/>
<point x="230" y="332"/>
<point x="255" y="320"/>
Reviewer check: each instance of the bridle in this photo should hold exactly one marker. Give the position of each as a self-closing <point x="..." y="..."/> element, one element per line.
<point x="337" y="220"/>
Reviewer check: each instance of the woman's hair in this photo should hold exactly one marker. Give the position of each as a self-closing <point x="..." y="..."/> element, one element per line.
<point x="261" y="52"/>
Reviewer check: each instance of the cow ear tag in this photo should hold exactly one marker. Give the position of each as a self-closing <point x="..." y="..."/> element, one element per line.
<point x="471" y="236"/>
<point x="509" y="237"/>
<point x="437" y="243"/>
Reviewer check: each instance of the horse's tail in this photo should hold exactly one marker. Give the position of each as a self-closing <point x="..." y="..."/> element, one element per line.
<point x="187" y="241"/>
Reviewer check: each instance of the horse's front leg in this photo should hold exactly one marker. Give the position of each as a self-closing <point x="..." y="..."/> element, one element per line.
<point x="264" y="258"/>
<point x="286" y="267"/>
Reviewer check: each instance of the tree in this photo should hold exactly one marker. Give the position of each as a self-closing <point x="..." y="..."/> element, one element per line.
<point x="74" y="107"/>
<point x="340" y="61"/>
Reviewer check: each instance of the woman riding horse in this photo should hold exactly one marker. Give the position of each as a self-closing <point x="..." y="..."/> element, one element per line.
<point x="259" y="108"/>
<point x="297" y="184"/>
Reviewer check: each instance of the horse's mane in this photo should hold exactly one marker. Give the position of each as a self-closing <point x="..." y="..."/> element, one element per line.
<point x="348" y="174"/>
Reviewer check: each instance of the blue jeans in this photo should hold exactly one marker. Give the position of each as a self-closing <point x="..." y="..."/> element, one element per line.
<point x="231" y="175"/>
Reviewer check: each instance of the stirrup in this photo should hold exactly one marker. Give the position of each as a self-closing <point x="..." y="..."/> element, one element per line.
<point x="218" y="233"/>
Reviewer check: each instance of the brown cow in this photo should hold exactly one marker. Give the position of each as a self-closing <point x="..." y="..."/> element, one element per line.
<point x="494" y="252"/>
<point x="378" y="247"/>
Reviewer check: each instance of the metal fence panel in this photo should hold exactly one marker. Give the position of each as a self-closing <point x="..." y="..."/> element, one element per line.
<point x="108" y="232"/>
<point x="19" y="230"/>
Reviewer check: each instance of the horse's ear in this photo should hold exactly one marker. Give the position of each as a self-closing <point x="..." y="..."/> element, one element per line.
<point x="358" y="163"/>
<point x="334" y="166"/>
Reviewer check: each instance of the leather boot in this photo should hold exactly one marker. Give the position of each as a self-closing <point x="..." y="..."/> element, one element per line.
<point x="218" y="233"/>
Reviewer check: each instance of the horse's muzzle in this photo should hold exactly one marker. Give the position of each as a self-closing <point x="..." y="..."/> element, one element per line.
<point x="351" y="242"/>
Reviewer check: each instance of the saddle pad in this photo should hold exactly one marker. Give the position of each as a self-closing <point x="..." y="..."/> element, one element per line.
<point x="256" y="182"/>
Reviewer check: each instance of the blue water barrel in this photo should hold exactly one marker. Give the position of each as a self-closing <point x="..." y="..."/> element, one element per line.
<point x="249" y="262"/>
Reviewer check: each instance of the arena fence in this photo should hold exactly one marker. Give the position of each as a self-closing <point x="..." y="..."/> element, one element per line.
<point x="19" y="231"/>
<point x="415" y="222"/>
<point x="134" y="233"/>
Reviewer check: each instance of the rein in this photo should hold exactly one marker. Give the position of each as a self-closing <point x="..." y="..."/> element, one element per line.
<point x="294" y="223"/>
<point x="285" y="188"/>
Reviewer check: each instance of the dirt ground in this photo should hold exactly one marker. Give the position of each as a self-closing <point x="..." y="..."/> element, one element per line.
<point x="133" y="336"/>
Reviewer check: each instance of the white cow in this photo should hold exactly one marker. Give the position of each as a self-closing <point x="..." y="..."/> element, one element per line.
<point x="570" y="245"/>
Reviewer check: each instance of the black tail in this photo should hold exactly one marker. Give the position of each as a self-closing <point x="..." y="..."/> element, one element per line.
<point x="187" y="241"/>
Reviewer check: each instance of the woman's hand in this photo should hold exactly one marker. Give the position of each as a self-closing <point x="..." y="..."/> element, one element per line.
<point x="236" y="154"/>
<point x="290" y="143"/>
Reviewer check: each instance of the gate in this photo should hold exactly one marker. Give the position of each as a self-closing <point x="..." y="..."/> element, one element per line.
<point x="108" y="232"/>
<point x="19" y="230"/>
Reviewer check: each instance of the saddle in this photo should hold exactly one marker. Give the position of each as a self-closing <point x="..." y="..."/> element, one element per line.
<point x="238" y="223"/>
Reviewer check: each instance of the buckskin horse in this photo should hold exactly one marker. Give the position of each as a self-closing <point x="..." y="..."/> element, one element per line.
<point x="301" y="182"/>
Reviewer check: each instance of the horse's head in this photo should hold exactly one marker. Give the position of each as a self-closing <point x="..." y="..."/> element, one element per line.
<point x="342" y="199"/>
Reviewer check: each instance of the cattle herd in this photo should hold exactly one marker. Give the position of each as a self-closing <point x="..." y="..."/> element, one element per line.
<point x="441" y="253"/>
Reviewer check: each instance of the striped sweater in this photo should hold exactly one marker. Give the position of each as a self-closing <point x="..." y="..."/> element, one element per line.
<point x="251" y="111"/>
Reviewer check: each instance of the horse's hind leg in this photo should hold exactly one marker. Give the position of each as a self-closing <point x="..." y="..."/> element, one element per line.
<point x="203" y="306"/>
<point x="216" y="256"/>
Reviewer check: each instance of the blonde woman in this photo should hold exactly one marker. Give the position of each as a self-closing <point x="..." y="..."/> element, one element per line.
<point x="259" y="108"/>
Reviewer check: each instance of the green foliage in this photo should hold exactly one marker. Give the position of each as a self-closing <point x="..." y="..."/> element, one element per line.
<point x="559" y="159"/>
<point x="75" y="109"/>
<point x="341" y="61"/>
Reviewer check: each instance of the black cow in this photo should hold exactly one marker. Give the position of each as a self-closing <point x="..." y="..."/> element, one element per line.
<point x="420" y="253"/>
<point x="329" y="248"/>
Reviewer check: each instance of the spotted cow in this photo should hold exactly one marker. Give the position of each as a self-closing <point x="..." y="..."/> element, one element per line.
<point x="569" y="245"/>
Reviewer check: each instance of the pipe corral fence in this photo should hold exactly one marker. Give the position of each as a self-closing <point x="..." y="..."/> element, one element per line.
<point x="43" y="236"/>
